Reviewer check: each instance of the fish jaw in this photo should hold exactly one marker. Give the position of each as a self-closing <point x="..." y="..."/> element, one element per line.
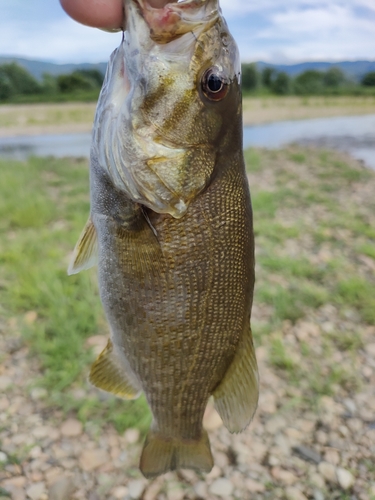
<point x="176" y="19"/>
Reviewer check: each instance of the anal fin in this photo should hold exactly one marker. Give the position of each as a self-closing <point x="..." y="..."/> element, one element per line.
<point x="85" y="252"/>
<point x="161" y="454"/>
<point x="107" y="374"/>
<point x="236" y="397"/>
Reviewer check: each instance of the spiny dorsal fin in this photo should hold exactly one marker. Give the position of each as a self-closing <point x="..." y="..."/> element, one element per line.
<point x="107" y="374"/>
<point x="236" y="398"/>
<point x="85" y="252"/>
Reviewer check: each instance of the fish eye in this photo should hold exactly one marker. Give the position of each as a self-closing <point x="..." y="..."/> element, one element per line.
<point x="214" y="85"/>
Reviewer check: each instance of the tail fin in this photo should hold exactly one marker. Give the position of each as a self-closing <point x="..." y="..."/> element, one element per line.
<point x="161" y="455"/>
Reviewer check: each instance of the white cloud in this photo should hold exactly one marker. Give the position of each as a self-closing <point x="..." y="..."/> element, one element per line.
<point x="241" y="7"/>
<point x="318" y="32"/>
<point x="62" y="40"/>
<point x="270" y="30"/>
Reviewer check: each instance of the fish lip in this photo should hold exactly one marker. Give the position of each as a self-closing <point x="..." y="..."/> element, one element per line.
<point x="177" y="18"/>
<point x="174" y="6"/>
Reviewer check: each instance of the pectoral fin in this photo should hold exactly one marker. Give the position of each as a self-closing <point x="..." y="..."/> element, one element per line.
<point x="236" y="398"/>
<point x="107" y="374"/>
<point x="85" y="252"/>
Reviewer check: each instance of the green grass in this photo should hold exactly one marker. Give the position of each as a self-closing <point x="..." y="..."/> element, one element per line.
<point x="311" y="232"/>
<point x="367" y="249"/>
<point x="43" y="207"/>
<point x="297" y="267"/>
<point x="279" y="356"/>
<point x="78" y="96"/>
<point x="359" y="294"/>
<point x="300" y="211"/>
<point x="253" y="160"/>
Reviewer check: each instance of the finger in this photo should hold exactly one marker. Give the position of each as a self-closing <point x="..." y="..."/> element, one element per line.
<point x="101" y="13"/>
<point x="97" y="13"/>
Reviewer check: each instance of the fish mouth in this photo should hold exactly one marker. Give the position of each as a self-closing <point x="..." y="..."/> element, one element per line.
<point x="177" y="18"/>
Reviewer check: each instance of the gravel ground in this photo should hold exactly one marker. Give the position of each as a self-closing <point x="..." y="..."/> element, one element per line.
<point x="293" y="450"/>
<point x="295" y="454"/>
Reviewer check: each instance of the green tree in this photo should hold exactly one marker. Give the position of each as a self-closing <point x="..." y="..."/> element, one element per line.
<point x="250" y="76"/>
<point x="369" y="79"/>
<point x="49" y="84"/>
<point x="74" y="82"/>
<point x="268" y="76"/>
<point x="334" y="77"/>
<point x="93" y="74"/>
<point x="6" y="89"/>
<point x="21" y="81"/>
<point x="281" y="85"/>
<point x="309" y="82"/>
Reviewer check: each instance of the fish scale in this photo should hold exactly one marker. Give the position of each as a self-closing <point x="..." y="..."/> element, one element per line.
<point x="171" y="222"/>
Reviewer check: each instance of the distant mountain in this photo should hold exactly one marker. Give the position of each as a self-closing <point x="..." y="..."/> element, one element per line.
<point x="37" y="68"/>
<point x="353" y="69"/>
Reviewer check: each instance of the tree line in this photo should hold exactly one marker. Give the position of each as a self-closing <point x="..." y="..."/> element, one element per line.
<point x="18" y="85"/>
<point x="310" y="82"/>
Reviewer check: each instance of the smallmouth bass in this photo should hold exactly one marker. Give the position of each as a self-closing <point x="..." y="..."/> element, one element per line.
<point x="171" y="230"/>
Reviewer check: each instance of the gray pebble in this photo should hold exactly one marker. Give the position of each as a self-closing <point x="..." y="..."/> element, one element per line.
<point x="307" y="454"/>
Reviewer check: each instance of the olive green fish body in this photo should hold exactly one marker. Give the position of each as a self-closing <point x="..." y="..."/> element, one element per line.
<point x="179" y="300"/>
<point x="174" y="237"/>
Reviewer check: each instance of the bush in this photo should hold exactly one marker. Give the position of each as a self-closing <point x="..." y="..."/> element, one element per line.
<point x="6" y="89"/>
<point x="18" y="85"/>
<point x="20" y="80"/>
<point x="309" y="82"/>
<point x="369" y="79"/>
<point x="250" y="76"/>
<point x="92" y="74"/>
<point x="49" y="84"/>
<point x="75" y="81"/>
<point x="281" y="85"/>
<point x="334" y="77"/>
<point x="268" y="76"/>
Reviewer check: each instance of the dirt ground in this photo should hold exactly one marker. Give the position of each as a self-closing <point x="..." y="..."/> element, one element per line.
<point x="36" y="119"/>
<point x="272" y="109"/>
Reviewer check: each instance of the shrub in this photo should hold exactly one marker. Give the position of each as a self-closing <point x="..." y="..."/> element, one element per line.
<point x="309" y="82"/>
<point x="20" y="80"/>
<point x="250" y="76"/>
<point x="268" y="76"/>
<point x="281" y="84"/>
<point x="368" y="79"/>
<point x="334" y="77"/>
<point x="75" y="81"/>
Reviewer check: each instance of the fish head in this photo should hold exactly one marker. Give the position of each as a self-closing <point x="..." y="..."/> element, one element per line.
<point x="171" y="93"/>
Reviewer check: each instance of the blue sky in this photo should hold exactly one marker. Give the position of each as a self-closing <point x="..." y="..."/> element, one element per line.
<point x="284" y="31"/>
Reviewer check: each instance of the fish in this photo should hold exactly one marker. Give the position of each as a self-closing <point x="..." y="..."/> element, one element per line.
<point x="171" y="230"/>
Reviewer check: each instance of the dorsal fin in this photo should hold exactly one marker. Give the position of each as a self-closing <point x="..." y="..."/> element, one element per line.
<point x="85" y="252"/>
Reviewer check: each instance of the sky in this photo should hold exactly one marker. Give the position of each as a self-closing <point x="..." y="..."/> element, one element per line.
<point x="278" y="31"/>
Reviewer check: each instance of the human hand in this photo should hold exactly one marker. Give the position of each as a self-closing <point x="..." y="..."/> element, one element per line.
<point x="106" y="14"/>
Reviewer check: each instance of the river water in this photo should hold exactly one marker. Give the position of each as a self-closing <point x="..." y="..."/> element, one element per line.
<point x="353" y="134"/>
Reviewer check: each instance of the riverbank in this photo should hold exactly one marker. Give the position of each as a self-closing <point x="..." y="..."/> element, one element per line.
<point x="37" y="119"/>
<point x="273" y="109"/>
<point x="314" y="310"/>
